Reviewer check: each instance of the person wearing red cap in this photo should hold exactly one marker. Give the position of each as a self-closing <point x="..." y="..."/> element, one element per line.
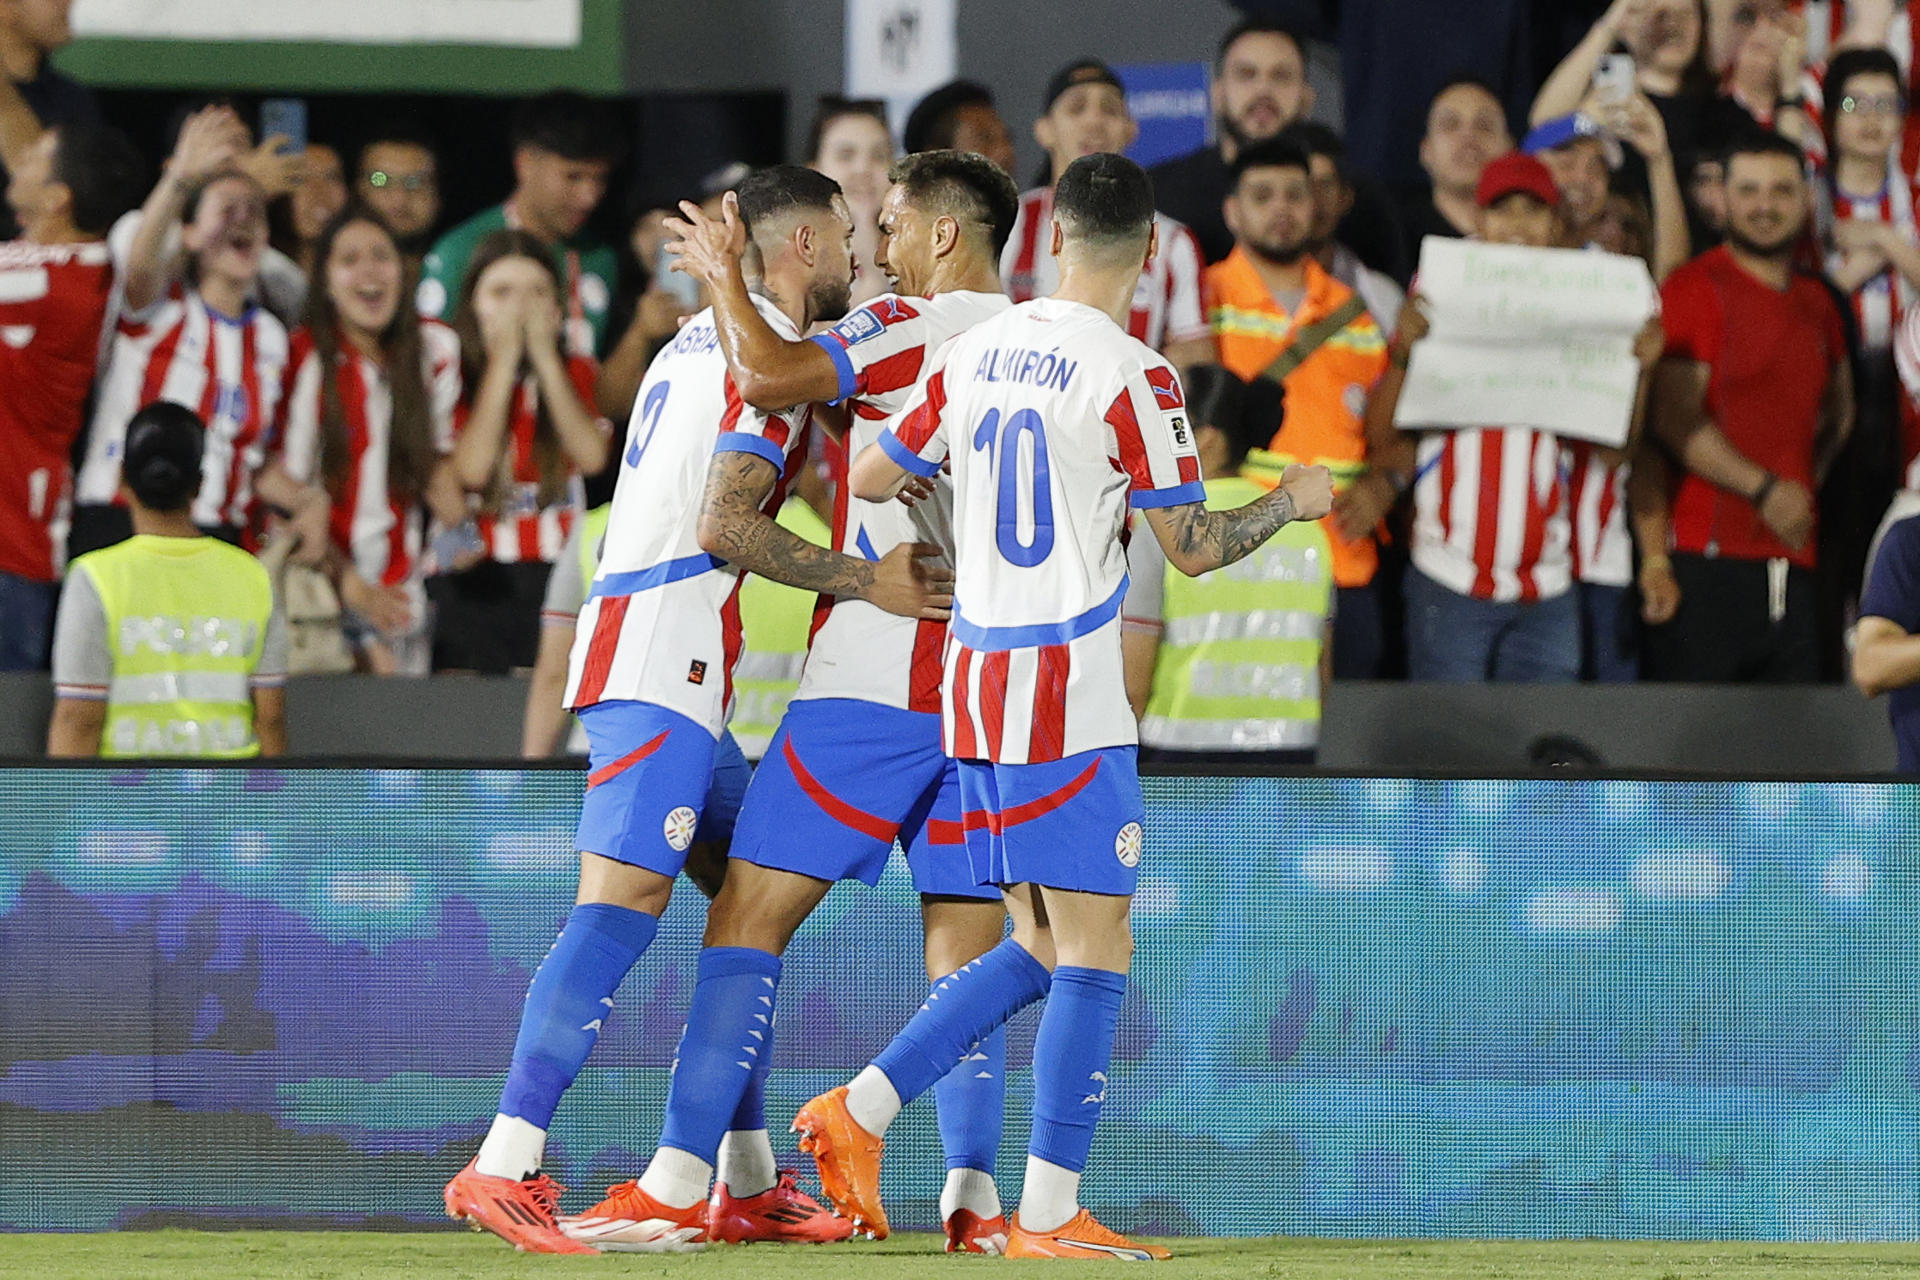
<point x="1490" y="589"/>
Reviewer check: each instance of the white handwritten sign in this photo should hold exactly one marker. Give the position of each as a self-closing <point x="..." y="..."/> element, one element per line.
<point x="1521" y="337"/>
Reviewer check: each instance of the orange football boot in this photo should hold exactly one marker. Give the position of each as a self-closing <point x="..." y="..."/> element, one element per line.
<point x="849" y="1160"/>
<point x="521" y="1213"/>
<point x="631" y="1221"/>
<point x="1081" y="1237"/>
<point x="783" y="1214"/>
<point x="968" y="1232"/>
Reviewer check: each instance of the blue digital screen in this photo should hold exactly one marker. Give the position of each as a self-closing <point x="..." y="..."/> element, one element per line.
<point x="1358" y="1007"/>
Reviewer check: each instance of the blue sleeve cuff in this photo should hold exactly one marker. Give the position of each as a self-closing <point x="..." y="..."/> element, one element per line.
<point x="1179" y="495"/>
<point x="843" y="365"/>
<point x="891" y="445"/>
<point x="747" y="442"/>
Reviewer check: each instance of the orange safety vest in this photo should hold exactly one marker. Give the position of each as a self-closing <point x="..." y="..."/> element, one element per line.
<point x="1326" y="395"/>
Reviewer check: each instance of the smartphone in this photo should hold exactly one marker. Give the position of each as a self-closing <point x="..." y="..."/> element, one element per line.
<point x="678" y="283"/>
<point x="1613" y="78"/>
<point x="285" y="118"/>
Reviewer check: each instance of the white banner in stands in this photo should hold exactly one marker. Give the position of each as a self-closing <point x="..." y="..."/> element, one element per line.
<point x="542" y="24"/>
<point x="898" y="50"/>
<point x="1520" y="337"/>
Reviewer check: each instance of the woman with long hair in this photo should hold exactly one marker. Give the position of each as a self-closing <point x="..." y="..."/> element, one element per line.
<point x="365" y="430"/>
<point x="524" y="438"/>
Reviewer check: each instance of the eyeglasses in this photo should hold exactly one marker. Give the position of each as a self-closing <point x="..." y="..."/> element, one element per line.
<point x="1881" y="106"/>
<point x="411" y="183"/>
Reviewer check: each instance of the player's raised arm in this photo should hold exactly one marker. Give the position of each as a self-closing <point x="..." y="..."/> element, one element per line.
<point x="734" y="527"/>
<point x="1199" y="541"/>
<point x="770" y="372"/>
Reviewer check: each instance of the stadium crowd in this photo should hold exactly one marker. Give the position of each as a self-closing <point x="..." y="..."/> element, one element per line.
<point x="409" y="411"/>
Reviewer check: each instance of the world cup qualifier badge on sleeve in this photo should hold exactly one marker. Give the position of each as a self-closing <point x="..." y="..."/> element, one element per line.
<point x="858" y="327"/>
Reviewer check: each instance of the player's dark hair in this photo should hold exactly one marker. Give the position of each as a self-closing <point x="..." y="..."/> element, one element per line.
<point x="162" y="460"/>
<point x="1761" y="142"/>
<point x="832" y="107"/>
<point x="780" y="189"/>
<point x="411" y="454"/>
<point x="568" y="125"/>
<point x="935" y="119"/>
<point x="1256" y="27"/>
<point x="962" y="185"/>
<point x="1316" y="139"/>
<point x="1274" y="153"/>
<point x="1104" y="198"/>
<point x="549" y="460"/>
<point x="1843" y="67"/>
<point x="102" y="169"/>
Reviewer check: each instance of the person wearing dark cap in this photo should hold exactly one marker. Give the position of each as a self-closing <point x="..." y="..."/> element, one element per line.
<point x="1086" y="114"/>
<point x="167" y="644"/>
<point x="959" y="116"/>
<point x="1489" y="593"/>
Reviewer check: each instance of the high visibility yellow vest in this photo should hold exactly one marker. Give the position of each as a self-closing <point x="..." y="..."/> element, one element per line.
<point x="1238" y="667"/>
<point x="777" y="619"/>
<point x="187" y="621"/>
<point x="591" y="537"/>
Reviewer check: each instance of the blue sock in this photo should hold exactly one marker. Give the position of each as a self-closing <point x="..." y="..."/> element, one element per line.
<point x="972" y="1101"/>
<point x="962" y="1007"/>
<point x="1070" y="1058"/>
<point x="569" y="998"/>
<point x="751" y="1114"/>
<point x="729" y="1032"/>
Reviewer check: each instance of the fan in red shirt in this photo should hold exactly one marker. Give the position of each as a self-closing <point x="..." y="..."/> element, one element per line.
<point x="1754" y="399"/>
<point x="524" y="437"/>
<point x="55" y="282"/>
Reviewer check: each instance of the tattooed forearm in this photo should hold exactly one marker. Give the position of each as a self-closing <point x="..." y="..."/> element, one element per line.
<point x="733" y="528"/>
<point x="1204" y="540"/>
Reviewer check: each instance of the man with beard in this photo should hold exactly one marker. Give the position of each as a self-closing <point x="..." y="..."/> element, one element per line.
<point x="1259" y="88"/>
<point x="651" y="678"/>
<point x="1754" y="398"/>
<point x="1276" y="311"/>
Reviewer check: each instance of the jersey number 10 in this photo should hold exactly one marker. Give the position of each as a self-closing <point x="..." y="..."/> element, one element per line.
<point x="1004" y="437"/>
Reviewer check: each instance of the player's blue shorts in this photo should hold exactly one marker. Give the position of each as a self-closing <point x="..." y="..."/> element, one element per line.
<point x="840" y="781"/>
<point x="1066" y="824"/>
<point x="657" y="782"/>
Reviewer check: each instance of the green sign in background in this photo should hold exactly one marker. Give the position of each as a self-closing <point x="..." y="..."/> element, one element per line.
<point x="596" y="65"/>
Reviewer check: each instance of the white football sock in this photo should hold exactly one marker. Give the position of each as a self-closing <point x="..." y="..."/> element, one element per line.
<point x="513" y="1149"/>
<point x="746" y="1163"/>
<point x="969" y="1189"/>
<point x="873" y="1101"/>
<point x="676" y="1178"/>
<point x="1050" y="1197"/>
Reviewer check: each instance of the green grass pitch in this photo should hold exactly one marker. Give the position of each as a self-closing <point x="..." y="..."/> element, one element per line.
<point x="345" y="1255"/>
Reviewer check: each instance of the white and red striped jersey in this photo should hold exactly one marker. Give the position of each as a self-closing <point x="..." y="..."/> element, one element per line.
<point x="1881" y="302"/>
<point x="380" y="532"/>
<point x="1597" y="509"/>
<point x="522" y="529"/>
<point x="1490" y="514"/>
<point x="1053" y="421"/>
<point x="1166" y="302"/>
<point x="53" y="300"/>
<point x="662" y="620"/>
<point x="858" y="650"/>
<point x="227" y="369"/>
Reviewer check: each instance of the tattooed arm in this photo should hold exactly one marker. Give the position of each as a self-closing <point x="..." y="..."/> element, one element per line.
<point x="1199" y="541"/>
<point x="733" y="527"/>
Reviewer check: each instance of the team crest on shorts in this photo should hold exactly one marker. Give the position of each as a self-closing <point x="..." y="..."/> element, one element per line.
<point x="679" y="828"/>
<point x="1126" y="845"/>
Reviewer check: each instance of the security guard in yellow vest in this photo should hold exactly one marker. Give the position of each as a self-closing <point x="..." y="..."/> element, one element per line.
<point x="776" y="618"/>
<point x="1228" y="667"/>
<point x="168" y="644"/>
